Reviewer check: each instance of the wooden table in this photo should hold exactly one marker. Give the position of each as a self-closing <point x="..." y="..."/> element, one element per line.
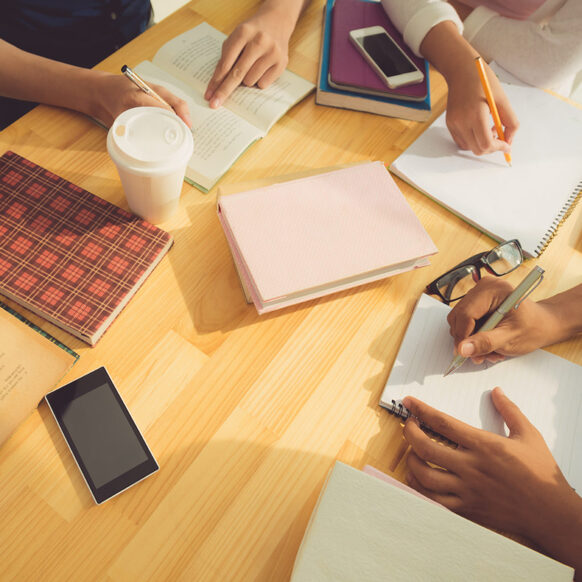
<point x="245" y="414"/>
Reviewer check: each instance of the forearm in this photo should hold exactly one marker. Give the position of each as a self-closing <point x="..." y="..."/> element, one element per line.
<point x="288" y="12"/>
<point x="33" y="78"/>
<point x="566" y="311"/>
<point x="559" y="534"/>
<point x="449" y="52"/>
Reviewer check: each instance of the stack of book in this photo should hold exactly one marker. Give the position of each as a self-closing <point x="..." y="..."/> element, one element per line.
<point x="345" y="78"/>
<point x="304" y="238"/>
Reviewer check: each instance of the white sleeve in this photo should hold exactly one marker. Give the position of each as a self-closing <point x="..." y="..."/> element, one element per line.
<point x="546" y="55"/>
<point x="414" y="18"/>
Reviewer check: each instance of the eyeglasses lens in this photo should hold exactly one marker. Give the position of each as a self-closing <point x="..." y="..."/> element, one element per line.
<point x="504" y="258"/>
<point x="458" y="282"/>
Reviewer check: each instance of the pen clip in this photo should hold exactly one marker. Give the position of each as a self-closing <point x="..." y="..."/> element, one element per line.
<point x="529" y="292"/>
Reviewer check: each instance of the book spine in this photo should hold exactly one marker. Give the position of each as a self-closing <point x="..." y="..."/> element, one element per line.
<point x="398" y="409"/>
<point x="561" y="217"/>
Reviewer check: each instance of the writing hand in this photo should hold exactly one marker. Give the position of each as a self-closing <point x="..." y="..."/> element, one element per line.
<point x="509" y="483"/>
<point x="522" y="330"/>
<point x="113" y="94"/>
<point x="256" y="53"/>
<point x="469" y="118"/>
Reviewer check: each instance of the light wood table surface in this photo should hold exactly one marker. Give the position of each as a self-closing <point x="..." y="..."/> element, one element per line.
<point x="245" y="413"/>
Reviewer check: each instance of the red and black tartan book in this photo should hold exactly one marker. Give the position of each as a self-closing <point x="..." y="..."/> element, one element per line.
<point x="68" y="255"/>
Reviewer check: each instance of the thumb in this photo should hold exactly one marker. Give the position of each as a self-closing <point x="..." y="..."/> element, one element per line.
<point x="516" y="421"/>
<point x="484" y="342"/>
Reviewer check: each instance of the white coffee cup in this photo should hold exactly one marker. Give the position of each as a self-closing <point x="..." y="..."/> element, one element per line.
<point x="151" y="147"/>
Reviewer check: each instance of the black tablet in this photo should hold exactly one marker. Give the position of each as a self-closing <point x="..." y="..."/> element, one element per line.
<point x="106" y="444"/>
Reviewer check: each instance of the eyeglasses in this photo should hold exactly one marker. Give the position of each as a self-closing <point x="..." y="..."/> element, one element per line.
<point x="455" y="283"/>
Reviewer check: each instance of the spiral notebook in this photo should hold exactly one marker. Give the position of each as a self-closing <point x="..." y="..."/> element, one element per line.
<point x="367" y="527"/>
<point x="528" y="201"/>
<point x="547" y="388"/>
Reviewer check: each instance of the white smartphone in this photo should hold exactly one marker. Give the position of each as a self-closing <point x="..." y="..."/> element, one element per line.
<point x="388" y="60"/>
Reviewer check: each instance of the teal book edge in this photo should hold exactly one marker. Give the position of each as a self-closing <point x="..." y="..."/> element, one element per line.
<point x="323" y="79"/>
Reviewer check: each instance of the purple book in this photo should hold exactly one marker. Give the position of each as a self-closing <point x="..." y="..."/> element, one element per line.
<point x="348" y="70"/>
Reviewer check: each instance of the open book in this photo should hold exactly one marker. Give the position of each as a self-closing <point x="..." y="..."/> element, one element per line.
<point x="367" y="527"/>
<point x="31" y="364"/>
<point x="547" y="388"/>
<point x="528" y="200"/>
<point x="299" y="239"/>
<point x="185" y="65"/>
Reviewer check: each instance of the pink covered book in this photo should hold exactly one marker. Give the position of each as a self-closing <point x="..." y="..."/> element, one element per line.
<point x="305" y="238"/>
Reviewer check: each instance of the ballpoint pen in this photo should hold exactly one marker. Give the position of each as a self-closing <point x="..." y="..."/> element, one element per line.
<point x="530" y="282"/>
<point x="491" y="103"/>
<point x="139" y="82"/>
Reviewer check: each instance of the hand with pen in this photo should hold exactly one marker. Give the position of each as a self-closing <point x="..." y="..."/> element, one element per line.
<point x="469" y="113"/>
<point x="532" y="326"/>
<point x="100" y="95"/>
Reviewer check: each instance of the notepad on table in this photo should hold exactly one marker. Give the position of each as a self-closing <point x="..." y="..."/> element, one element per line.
<point x="547" y="388"/>
<point x="300" y="239"/>
<point x="528" y="200"/>
<point x="366" y="529"/>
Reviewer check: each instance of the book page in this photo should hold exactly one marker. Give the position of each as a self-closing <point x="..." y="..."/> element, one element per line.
<point x="30" y="366"/>
<point x="524" y="201"/>
<point x="220" y="136"/>
<point x="547" y="388"/>
<point x="192" y="58"/>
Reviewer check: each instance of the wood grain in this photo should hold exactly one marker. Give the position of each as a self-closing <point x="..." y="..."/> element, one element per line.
<point x="245" y="414"/>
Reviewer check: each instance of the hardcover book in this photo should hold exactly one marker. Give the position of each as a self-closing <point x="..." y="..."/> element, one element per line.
<point x="304" y="238"/>
<point x="361" y="100"/>
<point x="368" y="527"/>
<point x="348" y="70"/>
<point x="68" y="255"/>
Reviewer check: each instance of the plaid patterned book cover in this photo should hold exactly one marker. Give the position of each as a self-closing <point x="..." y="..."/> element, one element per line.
<point x="68" y="255"/>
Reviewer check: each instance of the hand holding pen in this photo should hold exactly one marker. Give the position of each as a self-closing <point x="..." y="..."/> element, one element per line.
<point x="152" y="94"/>
<point x="507" y="330"/>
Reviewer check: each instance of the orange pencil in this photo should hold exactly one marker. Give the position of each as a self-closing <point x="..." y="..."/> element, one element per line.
<point x="491" y="103"/>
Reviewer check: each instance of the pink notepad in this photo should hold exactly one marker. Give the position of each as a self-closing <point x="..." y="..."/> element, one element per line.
<point x="305" y="238"/>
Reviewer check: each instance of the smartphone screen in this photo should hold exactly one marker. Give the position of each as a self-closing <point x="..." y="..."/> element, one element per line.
<point x="386" y="55"/>
<point x="107" y="445"/>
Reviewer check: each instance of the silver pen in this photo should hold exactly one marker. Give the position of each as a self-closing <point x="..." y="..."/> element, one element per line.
<point x="139" y="82"/>
<point x="531" y="281"/>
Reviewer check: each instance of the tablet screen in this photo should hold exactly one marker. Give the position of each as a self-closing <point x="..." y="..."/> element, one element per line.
<point x="106" y="443"/>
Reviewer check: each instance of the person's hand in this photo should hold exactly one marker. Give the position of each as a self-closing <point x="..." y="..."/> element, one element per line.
<point x="110" y="95"/>
<point x="531" y="326"/>
<point x="468" y="116"/>
<point x="256" y="53"/>
<point x="509" y="483"/>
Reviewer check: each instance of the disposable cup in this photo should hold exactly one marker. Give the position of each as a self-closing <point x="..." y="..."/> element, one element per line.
<point x="151" y="147"/>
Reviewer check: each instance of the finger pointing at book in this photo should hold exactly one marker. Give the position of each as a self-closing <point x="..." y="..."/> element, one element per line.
<point x="509" y="483"/>
<point x="531" y="326"/>
<point x="256" y="53"/>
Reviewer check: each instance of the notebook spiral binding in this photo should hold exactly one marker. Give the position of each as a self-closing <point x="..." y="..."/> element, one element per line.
<point x="566" y="210"/>
<point x="399" y="410"/>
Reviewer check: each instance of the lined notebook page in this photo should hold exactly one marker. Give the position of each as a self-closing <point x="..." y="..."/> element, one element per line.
<point x="547" y="388"/>
<point x="522" y="201"/>
<point x="366" y="530"/>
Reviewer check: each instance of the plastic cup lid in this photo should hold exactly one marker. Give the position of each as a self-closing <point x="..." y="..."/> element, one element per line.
<point x="150" y="140"/>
